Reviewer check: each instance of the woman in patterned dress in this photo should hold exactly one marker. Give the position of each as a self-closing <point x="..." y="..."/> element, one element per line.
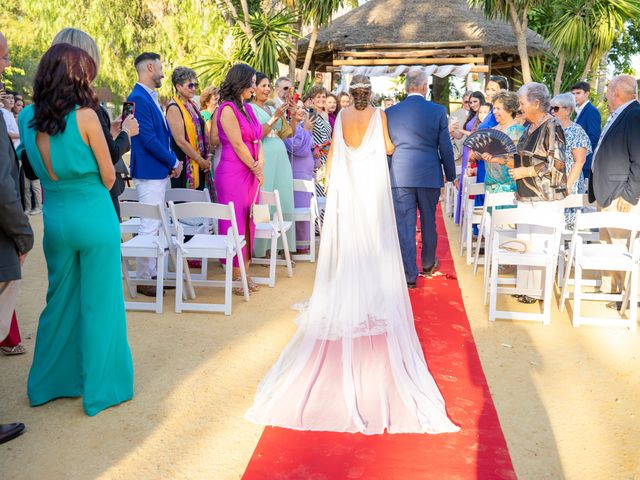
<point x="577" y="147"/>
<point x="321" y="137"/>
<point x="497" y="178"/>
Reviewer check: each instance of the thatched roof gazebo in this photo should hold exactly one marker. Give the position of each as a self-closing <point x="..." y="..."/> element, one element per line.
<point x="418" y="32"/>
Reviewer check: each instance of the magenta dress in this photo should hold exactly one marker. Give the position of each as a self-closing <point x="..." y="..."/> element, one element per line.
<point x="233" y="179"/>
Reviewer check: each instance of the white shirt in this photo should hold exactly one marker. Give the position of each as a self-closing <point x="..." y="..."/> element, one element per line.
<point x="607" y="125"/>
<point x="415" y="93"/>
<point x="580" y="108"/>
<point x="12" y="125"/>
<point x="154" y="96"/>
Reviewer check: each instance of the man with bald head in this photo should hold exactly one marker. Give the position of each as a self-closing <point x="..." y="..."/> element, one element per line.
<point x="615" y="180"/>
<point x="16" y="237"/>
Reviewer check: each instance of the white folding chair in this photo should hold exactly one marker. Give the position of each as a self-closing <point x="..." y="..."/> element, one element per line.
<point x="579" y="201"/>
<point x="273" y="230"/>
<point x="450" y="194"/>
<point x="491" y="201"/>
<point x="543" y="256"/>
<point x="307" y="214"/>
<point x="207" y="246"/>
<point x="192" y="226"/>
<point x="131" y="225"/>
<point x="145" y="246"/>
<point x="604" y="257"/>
<point x="472" y="216"/>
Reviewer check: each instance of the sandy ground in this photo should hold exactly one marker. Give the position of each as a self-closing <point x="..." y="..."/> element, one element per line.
<point x="568" y="399"/>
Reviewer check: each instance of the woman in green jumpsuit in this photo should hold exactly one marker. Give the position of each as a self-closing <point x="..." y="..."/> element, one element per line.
<point x="81" y="345"/>
<point x="277" y="166"/>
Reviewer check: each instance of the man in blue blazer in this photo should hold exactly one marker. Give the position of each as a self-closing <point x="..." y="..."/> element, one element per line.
<point x="419" y="130"/>
<point x="588" y="117"/>
<point x="152" y="160"/>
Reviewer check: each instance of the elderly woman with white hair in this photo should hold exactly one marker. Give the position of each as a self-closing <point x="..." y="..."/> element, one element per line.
<point x="577" y="147"/>
<point x="540" y="175"/>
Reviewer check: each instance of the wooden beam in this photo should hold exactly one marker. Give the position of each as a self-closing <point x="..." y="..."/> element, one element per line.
<point x="460" y="43"/>
<point x="474" y="69"/>
<point x="410" y="53"/>
<point x="410" y="61"/>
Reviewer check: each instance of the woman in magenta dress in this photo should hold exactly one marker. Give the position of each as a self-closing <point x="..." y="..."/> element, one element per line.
<point x="476" y="100"/>
<point x="239" y="174"/>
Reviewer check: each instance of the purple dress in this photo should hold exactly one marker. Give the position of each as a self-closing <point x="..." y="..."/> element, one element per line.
<point x="465" y="160"/>
<point x="300" y="150"/>
<point x="233" y="179"/>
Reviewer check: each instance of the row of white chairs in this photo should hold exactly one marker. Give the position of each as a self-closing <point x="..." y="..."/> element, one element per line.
<point x="190" y="213"/>
<point x="566" y="251"/>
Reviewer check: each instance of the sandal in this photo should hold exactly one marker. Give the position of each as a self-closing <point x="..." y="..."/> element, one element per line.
<point x="16" y="350"/>
<point x="526" y="299"/>
<point x="253" y="287"/>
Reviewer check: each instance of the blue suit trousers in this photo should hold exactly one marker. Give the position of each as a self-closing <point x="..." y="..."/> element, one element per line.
<point x="407" y="201"/>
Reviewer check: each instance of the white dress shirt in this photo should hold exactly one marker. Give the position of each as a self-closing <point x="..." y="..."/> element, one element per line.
<point x="580" y="108"/>
<point x="607" y="125"/>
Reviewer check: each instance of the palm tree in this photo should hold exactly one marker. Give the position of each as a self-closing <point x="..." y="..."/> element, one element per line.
<point x="517" y="13"/>
<point x="316" y="13"/>
<point x="586" y="29"/>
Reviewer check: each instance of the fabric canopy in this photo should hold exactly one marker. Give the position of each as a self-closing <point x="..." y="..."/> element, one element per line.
<point x="384" y="71"/>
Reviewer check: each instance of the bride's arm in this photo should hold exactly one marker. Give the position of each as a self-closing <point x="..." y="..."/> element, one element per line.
<point x="385" y="130"/>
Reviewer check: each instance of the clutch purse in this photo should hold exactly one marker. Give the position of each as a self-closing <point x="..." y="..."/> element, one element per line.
<point x="260" y="212"/>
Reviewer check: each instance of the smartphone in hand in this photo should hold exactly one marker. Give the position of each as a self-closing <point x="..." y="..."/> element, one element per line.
<point x="128" y="108"/>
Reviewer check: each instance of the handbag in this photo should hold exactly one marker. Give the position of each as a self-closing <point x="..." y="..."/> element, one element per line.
<point x="260" y="212"/>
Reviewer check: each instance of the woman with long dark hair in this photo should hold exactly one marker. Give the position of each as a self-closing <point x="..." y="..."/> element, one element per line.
<point x="240" y="172"/>
<point x="81" y="346"/>
<point x="476" y="100"/>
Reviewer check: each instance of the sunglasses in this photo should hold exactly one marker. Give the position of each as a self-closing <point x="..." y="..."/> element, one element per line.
<point x="286" y="88"/>
<point x="555" y="109"/>
<point x="193" y="85"/>
<point x="466" y="102"/>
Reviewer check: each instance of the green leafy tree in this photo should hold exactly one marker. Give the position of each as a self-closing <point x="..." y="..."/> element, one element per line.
<point x="625" y="47"/>
<point x="516" y="12"/>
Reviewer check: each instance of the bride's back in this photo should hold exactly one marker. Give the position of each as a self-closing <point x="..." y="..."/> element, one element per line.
<point x="355" y="124"/>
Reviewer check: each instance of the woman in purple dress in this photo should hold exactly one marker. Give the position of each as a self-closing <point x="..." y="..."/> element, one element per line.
<point x="476" y="100"/>
<point x="239" y="174"/>
<point x="300" y="150"/>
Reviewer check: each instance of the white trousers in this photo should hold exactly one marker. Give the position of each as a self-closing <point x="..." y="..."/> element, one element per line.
<point x="8" y="299"/>
<point x="151" y="192"/>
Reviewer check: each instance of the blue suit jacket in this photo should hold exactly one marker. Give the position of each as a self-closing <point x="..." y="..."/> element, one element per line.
<point x="420" y="131"/>
<point x="151" y="154"/>
<point x="590" y="120"/>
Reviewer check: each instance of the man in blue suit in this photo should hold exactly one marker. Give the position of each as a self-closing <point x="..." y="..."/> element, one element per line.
<point x="588" y="117"/>
<point x="152" y="160"/>
<point x="419" y="130"/>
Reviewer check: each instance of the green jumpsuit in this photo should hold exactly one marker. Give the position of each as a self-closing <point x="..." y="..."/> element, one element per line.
<point x="81" y="345"/>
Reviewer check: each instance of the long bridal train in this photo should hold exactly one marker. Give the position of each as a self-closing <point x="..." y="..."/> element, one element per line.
<point x="355" y="363"/>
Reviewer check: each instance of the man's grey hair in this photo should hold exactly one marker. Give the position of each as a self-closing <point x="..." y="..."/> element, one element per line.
<point x="626" y="84"/>
<point x="533" y="91"/>
<point x="415" y="80"/>
<point x="282" y="79"/>
<point x="564" y="100"/>
<point x="181" y="75"/>
<point x="467" y="93"/>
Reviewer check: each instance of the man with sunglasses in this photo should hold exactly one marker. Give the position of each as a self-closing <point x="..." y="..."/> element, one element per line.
<point x="153" y="161"/>
<point x="283" y="89"/>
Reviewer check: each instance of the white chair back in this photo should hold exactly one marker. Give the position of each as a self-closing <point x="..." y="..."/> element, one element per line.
<point x="129" y="195"/>
<point x="186" y="195"/>
<point x="576" y="200"/>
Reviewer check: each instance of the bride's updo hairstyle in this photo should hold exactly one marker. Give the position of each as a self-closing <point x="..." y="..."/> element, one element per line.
<point x="360" y="90"/>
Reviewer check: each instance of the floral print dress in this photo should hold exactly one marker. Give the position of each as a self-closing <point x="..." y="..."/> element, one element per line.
<point x="576" y="137"/>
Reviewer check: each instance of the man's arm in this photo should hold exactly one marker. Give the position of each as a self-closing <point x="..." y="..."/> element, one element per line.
<point x="592" y="126"/>
<point x="631" y="191"/>
<point x="148" y="138"/>
<point x="445" y="149"/>
<point x="13" y="222"/>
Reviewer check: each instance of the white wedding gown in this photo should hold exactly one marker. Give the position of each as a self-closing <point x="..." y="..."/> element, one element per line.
<point x="355" y="363"/>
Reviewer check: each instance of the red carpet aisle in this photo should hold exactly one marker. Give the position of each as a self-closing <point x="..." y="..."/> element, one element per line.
<point x="478" y="451"/>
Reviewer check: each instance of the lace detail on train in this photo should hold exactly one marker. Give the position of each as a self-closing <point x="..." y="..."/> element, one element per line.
<point x="355" y="363"/>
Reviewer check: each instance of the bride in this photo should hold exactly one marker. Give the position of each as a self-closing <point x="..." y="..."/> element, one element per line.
<point x="355" y="363"/>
